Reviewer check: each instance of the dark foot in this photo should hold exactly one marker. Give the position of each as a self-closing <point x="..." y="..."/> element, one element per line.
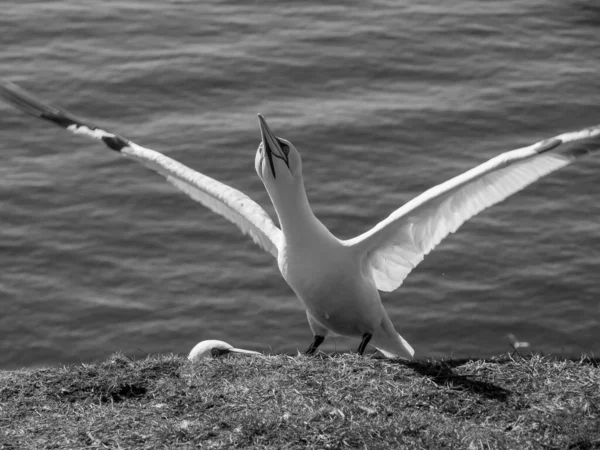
<point x="314" y="345"/>
<point x="363" y="344"/>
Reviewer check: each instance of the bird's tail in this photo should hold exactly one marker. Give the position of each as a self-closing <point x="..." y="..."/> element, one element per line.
<point x="390" y="343"/>
<point x="395" y="347"/>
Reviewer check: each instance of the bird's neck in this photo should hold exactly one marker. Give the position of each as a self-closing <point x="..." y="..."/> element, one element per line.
<point x="296" y="217"/>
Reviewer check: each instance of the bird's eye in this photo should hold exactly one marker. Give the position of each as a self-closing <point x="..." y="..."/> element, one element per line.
<point x="285" y="148"/>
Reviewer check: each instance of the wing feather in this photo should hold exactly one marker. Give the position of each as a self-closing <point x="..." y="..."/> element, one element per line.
<point x="398" y="243"/>
<point x="230" y="203"/>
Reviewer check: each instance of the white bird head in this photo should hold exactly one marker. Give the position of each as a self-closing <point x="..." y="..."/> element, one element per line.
<point x="214" y="349"/>
<point x="277" y="162"/>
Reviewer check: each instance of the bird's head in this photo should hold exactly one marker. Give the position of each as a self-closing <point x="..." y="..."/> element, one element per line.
<point x="214" y="349"/>
<point x="277" y="161"/>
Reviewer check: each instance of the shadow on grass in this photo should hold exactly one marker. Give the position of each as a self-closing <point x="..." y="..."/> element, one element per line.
<point x="116" y="380"/>
<point x="442" y="374"/>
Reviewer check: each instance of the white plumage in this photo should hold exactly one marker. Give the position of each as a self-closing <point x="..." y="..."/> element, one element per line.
<point x="213" y="348"/>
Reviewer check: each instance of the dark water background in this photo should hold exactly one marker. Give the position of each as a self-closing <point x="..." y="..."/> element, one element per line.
<point x="384" y="99"/>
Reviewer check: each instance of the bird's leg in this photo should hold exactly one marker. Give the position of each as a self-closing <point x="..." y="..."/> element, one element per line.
<point x="363" y="344"/>
<point x="319" y="332"/>
<point x="317" y="340"/>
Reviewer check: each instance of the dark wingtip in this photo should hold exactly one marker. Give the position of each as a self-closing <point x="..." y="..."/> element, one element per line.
<point x="115" y="142"/>
<point x="60" y="119"/>
<point x="23" y="100"/>
<point x="548" y="145"/>
<point x="28" y="103"/>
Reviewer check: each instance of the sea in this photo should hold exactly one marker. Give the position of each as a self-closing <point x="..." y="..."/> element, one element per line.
<point x="383" y="99"/>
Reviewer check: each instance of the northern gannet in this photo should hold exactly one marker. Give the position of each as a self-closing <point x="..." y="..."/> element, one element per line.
<point x="214" y="349"/>
<point x="336" y="280"/>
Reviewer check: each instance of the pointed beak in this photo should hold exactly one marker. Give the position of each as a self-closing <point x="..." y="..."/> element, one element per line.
<point x="270" y="143"/>
<point x="217" y="352"/>
<point x="244" y="352"/>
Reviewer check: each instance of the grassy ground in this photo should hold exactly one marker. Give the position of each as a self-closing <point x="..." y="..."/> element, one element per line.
<point x="276" y="402"/>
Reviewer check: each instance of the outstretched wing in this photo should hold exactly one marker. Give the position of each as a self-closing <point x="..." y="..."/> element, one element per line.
<point x="218" y="197"/>
<point x="401" y="241"/>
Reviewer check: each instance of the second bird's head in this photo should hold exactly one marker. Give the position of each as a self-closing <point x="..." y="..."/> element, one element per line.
<point x="277" y="161"/>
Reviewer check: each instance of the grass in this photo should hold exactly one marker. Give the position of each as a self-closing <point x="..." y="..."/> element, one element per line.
<point x="285" y="402"/>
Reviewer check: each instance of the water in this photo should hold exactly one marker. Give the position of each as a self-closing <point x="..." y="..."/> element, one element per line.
<point x="385" y="99"/>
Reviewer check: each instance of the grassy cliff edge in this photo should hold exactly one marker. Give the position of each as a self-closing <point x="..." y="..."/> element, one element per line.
<point x="344" y="401"/>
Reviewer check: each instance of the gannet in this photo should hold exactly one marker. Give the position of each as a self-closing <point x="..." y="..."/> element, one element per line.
<point x="338" y="281"/>
<point x="213" y="349"/>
